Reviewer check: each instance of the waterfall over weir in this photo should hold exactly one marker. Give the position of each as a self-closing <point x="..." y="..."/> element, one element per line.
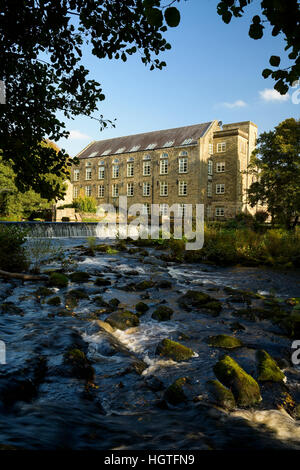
<point x="57" y="229"/>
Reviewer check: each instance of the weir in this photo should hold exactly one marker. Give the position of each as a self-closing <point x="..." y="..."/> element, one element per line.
<point x="57" y="229"/>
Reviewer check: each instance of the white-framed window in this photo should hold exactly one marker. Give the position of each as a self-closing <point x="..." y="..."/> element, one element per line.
<point x="219" y="212"/>
<point x="181" y="210"/>
<point x="210" y="149"/>
<point x="88" y="174"/>
<point x="163" y="209"/>
<point x="183" y="165"/>
<point x="164" y="166"/>
<point x="146" y="209"/>
<point x="182" y="188"/>
<point x="76" y="175"/>
<point x="220" y="188"/>
<point x="163" y="188"/>
<point x="221" y="147"/>
<point x="115" y="190"/>
<point x="146" y="189"/>
<point x="220" y="167"/>
<point x="209" y="189"/>
<point x="130" y="189"/>
<point x="75" y="192"/>
<point x="101" y="190"/>
<point x="101" y="172"/>
<point x="115" y="170"/>
<point x="88" y="191"/>
<point x="210" y="167"/>
<point x="147" y="168"/>
<point x="130" y="169"/>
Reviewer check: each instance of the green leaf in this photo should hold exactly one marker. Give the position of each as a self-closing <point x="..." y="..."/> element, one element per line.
<point x="256" y="31"/>
<point x="274" y="60"/>
<point x="155" y="17"/>
<point x="172" y="17"/>
<point x="266" y="73"/>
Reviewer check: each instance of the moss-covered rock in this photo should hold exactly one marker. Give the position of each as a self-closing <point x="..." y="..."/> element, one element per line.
<point x="102" y="282"/>
<point x="164" y="284"/>
<point x="58" y="280"/>
<point x="244" y="388"/>
<point x="222" y="396"/>
<point x="141" y="308"/>
<point x="197" y="299"/>
<point x="174" y="394"/>
<point x="268" y="370"/>
<point x="79" y="276"/>
<point x="224" y="341"/>
<point x="173" y="350"/>
<point x="78" y="294"/>
<point x="143" y="285"/>
<point x="10" y="308"/>
<point x="100" y="301"/>
<point x="80" y="364"/>
<point x="162" y="313"/>
<point x="55" y="301"/>
<point x="236" y="326"/>
<point x="113" y="303"/>
<point x="43" y="292"/>
<point x="123" y="320"/>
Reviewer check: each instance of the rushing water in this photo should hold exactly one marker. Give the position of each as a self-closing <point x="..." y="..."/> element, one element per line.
<point x="125" y="410"/>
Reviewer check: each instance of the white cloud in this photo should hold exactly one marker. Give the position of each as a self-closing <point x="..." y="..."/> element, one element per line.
<point x="77" y="135"/>
<point x="235" y="104"/>
<point x="269" y="94"/>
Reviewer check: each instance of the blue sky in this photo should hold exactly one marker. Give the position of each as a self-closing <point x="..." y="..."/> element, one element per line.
<point x="213" y="72"/>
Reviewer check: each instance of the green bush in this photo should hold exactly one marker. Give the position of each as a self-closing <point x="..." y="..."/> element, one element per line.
<point x="86" y="204"/>
<point x="12" y="252"/>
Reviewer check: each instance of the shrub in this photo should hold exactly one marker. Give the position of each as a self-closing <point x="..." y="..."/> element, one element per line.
<point x="86" y="204"/>
<point x="12" y="252"/>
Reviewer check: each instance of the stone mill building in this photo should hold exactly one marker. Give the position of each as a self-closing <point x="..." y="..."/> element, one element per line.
<point x="201" y="163"/>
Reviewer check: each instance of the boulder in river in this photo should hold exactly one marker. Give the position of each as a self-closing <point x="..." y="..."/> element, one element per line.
<point x="224" y="341"/>
<point x="173" y="350"/>
<point x="58" y="280"/>
<point x="175" y="393"/>
<point x="245" y="389"/>
<point x="268" y="370"/>
<point x="79" y="276"/>
<point x="123" y="320"/>
<point x="162" y="313"/>
<point x="221" y="395"/>
<point x="197" y="299"/>
<point x="141" y="308"/>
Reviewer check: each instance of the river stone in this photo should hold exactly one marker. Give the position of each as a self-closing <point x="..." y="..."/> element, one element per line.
<point x="221" y="395"/>
<point x="224" y="341"/>
<point x="268" y="370"/>
<point x="58" y="280"/>
<point x="245" y="389"/>
<point x="198" y="299"/>
<point x="123" y="320"/>
<point x="79" y="276"/>
<point x="162" y="313"/>
<point x="141" y="308"/>
<point x="173" y="350"/>
<point x="102" y="282"/>
<point x="175" y="393"/>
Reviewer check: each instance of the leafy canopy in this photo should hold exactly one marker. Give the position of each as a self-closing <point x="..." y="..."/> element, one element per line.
<point x="41" y="45"/>
<point x="284" y="17"/>
<point x="276" y="166"/>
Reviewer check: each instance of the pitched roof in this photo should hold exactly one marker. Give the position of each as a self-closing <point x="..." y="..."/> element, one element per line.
<point x="177" y="137"/>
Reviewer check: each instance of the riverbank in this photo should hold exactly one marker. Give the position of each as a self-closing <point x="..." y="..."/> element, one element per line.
<point x="69" y="383"/>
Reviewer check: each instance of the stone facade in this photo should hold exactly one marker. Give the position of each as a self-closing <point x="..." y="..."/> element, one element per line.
<point x="207" y="168"/>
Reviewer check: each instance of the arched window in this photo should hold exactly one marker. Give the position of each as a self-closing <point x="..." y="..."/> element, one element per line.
<point x="147" y="157"/>
<point x="164" y="155"/>
<point x="183" y="154"/>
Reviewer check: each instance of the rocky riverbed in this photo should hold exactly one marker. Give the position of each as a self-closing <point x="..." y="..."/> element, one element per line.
<point x="122" y="349"/>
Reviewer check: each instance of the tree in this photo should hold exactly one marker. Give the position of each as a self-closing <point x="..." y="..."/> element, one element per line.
<point x="41" y="48"/>
<point x="276" y="165"/>
<point x="16" y="204"/>
<point x="284" y="17"/>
